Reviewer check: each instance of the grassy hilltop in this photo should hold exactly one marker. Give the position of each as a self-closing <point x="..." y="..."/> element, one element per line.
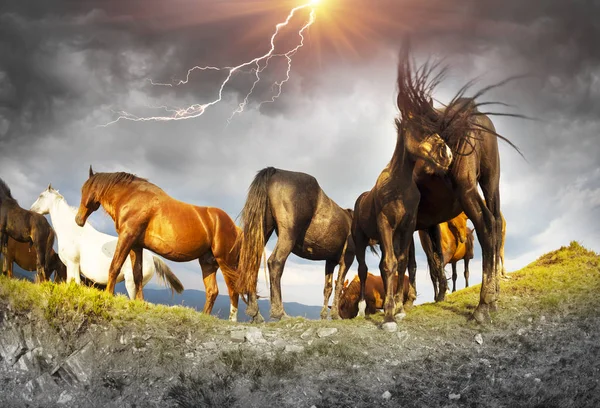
<point x="541" y="349"/>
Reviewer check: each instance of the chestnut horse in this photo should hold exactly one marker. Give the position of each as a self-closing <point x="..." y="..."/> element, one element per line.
<point x="27" y="227"/>
<point x="374" y="295"/>
<point x="307" y="223"/>
<point x="388" y="213"/>
<point x="147" y="217"/>
<point x="22" y="254"/>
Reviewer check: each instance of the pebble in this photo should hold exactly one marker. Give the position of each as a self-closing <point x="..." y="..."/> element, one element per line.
<point x="390" y="327"/>
<point x="454" y="396"/>
<point x="479" y="338"/>
<point x="326" y="332"/>
<point x="386" y="395"/>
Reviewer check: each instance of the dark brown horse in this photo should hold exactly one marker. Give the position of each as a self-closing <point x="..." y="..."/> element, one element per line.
<point x="307" y="223"/>
<point x="23" y="255"/>
<point x="388" y="213"/>
<point x="27" y="227"/>
<point x="374" y="295"/>
<point x="474" y="143"/>
<point x="147" y="217"/>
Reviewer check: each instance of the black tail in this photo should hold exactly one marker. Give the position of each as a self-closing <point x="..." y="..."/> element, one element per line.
<point x="253" y="219"/>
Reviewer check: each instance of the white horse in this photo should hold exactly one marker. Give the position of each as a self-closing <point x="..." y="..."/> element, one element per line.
<point x="89" y="252"/>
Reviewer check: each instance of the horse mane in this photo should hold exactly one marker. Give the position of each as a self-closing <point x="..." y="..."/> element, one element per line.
<point x="103" y="182"/>
<point x="351" y="291"/>
<point x="5" y="190"/>
<point x="460" y="120"/>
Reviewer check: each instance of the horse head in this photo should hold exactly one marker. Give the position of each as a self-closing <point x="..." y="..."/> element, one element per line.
<point x="45" y="200"/>
<point x="427" y="146"/>
<point x="89" y="200"/>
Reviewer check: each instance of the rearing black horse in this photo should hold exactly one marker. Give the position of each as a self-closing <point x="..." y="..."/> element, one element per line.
<point x="307" y="223"/>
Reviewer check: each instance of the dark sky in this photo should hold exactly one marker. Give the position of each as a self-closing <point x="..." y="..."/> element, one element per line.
<point x="66" y="67"/>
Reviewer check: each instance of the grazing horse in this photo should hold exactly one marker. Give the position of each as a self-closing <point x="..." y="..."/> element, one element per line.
<point x="147" y="217"/>
<point x="25" y="226"/>
<point x="22" y="254"/>
<point x="307" y="222"/>
<point x="89" y="252"/>
<point x="474" y="142"/>
<point x="374" y="295"/>
<point x="388" y="212"/>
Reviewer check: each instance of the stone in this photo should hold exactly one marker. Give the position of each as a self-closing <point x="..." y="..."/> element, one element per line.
<point x="326" y="331"/>
<point x="280" y="344"/>
<point x="454" y="396"/>
<point x="77" y="367"/>
<point x="254" y="336"/>
<point x="307" y="334"/>
<point x="238" y="336"/>
<point x="64" y="398"/>
<point x="293" y="348"/>
<point x="44" y="384"/>
<point x="402" y="336"/>
<point x="209" y="345"/>
<point x="390" y="327"/>
<point x="479" y="338"/>
<point x="386" y="395"/>
<point x="520" y="332"/>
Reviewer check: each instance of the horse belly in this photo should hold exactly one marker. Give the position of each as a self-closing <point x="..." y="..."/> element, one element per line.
<point x="25" y="256"/>
<point x="438" y="202"/>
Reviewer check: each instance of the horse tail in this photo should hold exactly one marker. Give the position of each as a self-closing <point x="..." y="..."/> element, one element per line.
<point x="166" y="275"/>
<point x="253" y="219"/>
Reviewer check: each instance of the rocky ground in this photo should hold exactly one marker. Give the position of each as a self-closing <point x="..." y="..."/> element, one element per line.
<point x="541" y="350"/>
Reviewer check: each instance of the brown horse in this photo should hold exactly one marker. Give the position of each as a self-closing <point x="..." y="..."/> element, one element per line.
<point x="307" y="222"/>
<point x="22" y="254"/>
<point x="374" y="295"/>
<point x="147" y="217"/>
<point x="27" y="227"/>
<point x="388" y="213"/>
<point x="474" y="142"/>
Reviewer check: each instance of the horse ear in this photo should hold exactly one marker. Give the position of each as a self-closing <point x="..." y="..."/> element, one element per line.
<point x="49" y="186"/>
<point x="91" y="171"/>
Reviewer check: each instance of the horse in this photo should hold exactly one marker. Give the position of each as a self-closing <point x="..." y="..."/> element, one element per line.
<point x="388" y="212"/>
<point x="473" y="139"/>
<point x="307" y="222"/>
<point x="457" y="244"/>
<point x="27" y="227"/>
<point x="147" y="217"/>
<point x="89" y="252"/>
<point x="374" y="295"/>
<point x="21" y="254"/>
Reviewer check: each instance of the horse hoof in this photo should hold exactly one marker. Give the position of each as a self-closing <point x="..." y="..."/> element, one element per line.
<point x="257" y="319"/>
<point x="481" y="316"/>
<point x="390" y="326"/>
<point x="494" y="306"/>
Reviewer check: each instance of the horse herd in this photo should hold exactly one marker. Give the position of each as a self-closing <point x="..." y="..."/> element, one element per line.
<point x="430" y="185"/>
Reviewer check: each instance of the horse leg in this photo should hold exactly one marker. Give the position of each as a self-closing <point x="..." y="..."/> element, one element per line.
<point x="229" y="275"/>
<point x="360" y="242"/>
<point x="482" y="219"/>
<point x="388" y="266"/>
<point x="8" y="261"/>
<point x="123" y="249"/>
<point x="454" y="276"/>
<point x="412" y="274"/>
<point x="435" y="261"/>
<point x="345" y="263"/>
<point x="73" y="272"/>
<point x="276" y="263"/>
<point x="209" y="267"/>
<point x="329" y="268"/>
<point x="40" y="251"/>
<point x="466" y="272"/>
<point x="137" y="268"/>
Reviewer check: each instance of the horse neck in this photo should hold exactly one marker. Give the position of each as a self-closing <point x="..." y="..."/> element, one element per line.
<point x="402" y="163"/>
<point x="63" y="216"/>
<point x="111" y="198"/>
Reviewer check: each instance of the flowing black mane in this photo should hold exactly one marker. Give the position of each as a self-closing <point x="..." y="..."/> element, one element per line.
<point x="459" y="122"/>
<point x="102" y="182"/>
<point x="5" y="190"/>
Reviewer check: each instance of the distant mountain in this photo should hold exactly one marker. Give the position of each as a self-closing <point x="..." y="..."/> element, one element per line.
<point x="195" y="299"/>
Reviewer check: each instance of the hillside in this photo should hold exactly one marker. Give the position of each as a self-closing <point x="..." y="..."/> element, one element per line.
<point x="64" y="345"/>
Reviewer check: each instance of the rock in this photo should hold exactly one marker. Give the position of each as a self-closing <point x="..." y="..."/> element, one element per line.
<point x="530" y="319"/>
<point x="520" y="332"/>
<point x="77" y="367"/>
<point x="479" y="338"/>
<point x="44" y="384"/>
<point x="189" y="355"/>
<point x="537" y="380"/>
<point x="386" y="395"/>
<point x="400" y="316"/>
<point x="280" y="344"/>
<point x="64" y="398"/>
<point x="308" y="333"/>
<point x="254" y="336"/>
<point x="293" y="348"/>
<point x="209" y="345"/>
<point x="454" y="396"/>
<point x="326" y="331"/>
<point x="402" y="336"/>
<point x="238" y="336"/>
<point x="390" y="327"/>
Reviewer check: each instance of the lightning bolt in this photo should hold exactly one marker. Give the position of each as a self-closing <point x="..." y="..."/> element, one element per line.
<point x="259" y="65"/>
